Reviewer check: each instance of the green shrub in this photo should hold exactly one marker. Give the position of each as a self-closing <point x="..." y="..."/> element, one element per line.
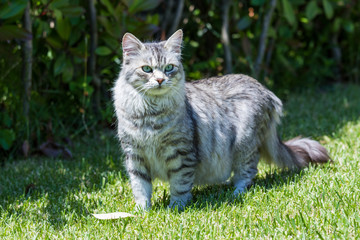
<point x="309" y="43"/>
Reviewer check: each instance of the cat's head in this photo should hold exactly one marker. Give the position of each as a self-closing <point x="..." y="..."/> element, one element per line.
<point x="153" y="68"/>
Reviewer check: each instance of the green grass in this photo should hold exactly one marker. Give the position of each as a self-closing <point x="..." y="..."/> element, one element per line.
<point x="317" y="203"/>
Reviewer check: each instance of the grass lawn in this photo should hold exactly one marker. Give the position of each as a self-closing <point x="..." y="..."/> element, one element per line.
<point x="43" y="198"/>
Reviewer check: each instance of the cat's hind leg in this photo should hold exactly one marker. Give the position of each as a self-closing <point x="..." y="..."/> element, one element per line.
<point x="244" y="172"/>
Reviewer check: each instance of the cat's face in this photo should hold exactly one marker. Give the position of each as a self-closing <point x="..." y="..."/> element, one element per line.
<point x="153" y="68"/>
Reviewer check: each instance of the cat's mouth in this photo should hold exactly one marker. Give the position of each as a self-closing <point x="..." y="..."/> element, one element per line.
<point x="158" y="90"/>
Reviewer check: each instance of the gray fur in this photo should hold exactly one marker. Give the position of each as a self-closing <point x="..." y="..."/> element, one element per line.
<point x="199" y="132"/>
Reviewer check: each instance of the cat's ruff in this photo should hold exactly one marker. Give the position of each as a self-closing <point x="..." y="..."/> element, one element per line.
<point x="197" y="132"/>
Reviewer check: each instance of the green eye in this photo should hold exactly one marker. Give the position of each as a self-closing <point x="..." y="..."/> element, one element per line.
<point x="146" y="69"/>
<point x="169" y="68"/>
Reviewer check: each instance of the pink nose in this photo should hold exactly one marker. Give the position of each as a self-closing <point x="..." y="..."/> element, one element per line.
<point x="160" y="80"/>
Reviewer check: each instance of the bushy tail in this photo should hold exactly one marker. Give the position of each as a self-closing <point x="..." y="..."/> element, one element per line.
<point x="294" y="154"/>
<point x="308" y="150"/>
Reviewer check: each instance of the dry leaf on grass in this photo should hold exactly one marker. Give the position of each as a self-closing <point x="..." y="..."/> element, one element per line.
<point x="29" y="188"/>
<point x="114" y="215"/>
<point x="53" y="149"/>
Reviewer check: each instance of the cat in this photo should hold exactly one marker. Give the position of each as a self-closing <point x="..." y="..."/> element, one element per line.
<point x="196" y="133"/>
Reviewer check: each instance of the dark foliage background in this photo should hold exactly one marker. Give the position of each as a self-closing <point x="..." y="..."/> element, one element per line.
<point x="76" y="55"/>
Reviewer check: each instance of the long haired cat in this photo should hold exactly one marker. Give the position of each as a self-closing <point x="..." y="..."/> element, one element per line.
<point x="196" y="133"/>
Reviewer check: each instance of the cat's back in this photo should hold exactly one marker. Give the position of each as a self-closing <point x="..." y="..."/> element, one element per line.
<point x="225" y="82"/>
<point x="229" y="89"/>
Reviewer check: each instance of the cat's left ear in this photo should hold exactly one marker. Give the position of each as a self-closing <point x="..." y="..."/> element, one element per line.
<point x="175" y="41"/>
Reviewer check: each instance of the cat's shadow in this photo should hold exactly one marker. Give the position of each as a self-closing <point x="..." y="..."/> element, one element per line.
<point x="216" y="196"/>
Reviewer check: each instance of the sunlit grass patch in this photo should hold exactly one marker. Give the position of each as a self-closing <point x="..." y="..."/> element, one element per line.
<point x="54" y="198"/>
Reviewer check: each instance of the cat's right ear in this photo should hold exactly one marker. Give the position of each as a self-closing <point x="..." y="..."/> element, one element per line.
<point x="131" y="45"/>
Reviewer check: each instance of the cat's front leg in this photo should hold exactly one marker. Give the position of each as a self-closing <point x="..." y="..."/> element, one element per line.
<point x="181" y="182"/>
<point x="140" y="181"/>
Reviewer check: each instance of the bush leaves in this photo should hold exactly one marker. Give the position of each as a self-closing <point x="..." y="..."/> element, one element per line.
<point x="7" y="137"/>
<point x="312" y="10"/>
<point x="10" y="32"/>
<point x="103" y="51"/>
<point x="141" y="5"/>
<point x="244" y="23"/>
<point x="329" y="11"/>
<point x="289" y="12"/>
<point x="72" y="11"/>
<point x="12" y="8"/>
<point x="63" y="28"/>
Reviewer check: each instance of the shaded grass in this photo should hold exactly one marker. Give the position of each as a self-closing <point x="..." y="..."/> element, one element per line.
<point x="54" y="198"/>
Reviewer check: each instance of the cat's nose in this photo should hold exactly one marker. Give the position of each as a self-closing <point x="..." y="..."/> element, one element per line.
<point x="160" y="80"/>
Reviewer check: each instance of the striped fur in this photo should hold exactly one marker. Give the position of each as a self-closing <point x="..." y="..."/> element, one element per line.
<point x="196" y="133"/>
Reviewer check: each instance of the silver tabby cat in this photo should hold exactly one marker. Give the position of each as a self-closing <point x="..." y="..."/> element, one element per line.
<point x="196" y="133"/>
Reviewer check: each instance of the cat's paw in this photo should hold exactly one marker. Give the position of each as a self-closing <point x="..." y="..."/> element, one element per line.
<point x="177" y="206"/>
<point x="241" y="187"/>
<point x="239" y="191"/>
<point x="179" y="202"/>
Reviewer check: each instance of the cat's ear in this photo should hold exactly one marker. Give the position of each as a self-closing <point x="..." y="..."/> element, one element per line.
<point x="175" y="41"/>
<point x="131" y="45"/>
